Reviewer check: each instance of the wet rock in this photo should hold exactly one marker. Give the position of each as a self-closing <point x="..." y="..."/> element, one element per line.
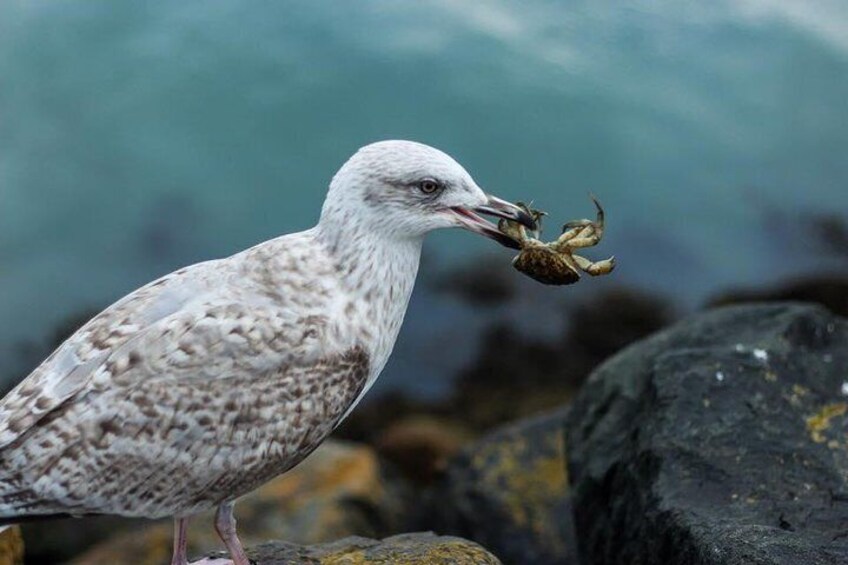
<point x="60" y="540"/>
<point x="487" y="282"/>
<point x="508" y="492"/>
<point x="420" y="446"/>
<point x="11" y="546"/>
<point x="516" y="374"/>
<point x="338" y="491"/>
<point x="829" y="290"/>
<point x="723" y="439"/>
<point x="406" y="549"/>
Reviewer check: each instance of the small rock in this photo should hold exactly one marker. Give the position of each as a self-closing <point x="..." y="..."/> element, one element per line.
<point x="11" y="546"/>
<point x="508" y="492"/>
<point x="671" y="464"/>
<point x="405" y="549"/>
<point x="338" y="491"/>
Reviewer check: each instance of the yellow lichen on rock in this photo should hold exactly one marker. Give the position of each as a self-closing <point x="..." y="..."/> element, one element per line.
<point x="420" y="548"/>
<point x="311" y="503"/>
<point x="404" y="549"/>
<point x="526" y="481"/>
<point x="11" y="546"/>
<point x="512" y="485"/>
<point x="820" y="421"/>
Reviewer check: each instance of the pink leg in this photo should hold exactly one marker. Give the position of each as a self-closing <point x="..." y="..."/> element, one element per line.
<point x="180" y="541"/>
<point x="225" y="525"/>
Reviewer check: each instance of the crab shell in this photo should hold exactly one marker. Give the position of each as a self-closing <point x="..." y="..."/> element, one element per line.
<point x="545" y="265"/>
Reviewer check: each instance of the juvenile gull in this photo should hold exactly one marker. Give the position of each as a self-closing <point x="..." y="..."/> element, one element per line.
<point x="200" y="386"/>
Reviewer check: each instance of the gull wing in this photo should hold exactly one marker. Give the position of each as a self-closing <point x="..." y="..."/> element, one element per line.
<point x="68" y="370"/>
<point x="204" y="404"/>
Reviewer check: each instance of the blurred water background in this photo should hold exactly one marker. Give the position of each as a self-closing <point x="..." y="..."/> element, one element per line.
<point x="137" y="137"/>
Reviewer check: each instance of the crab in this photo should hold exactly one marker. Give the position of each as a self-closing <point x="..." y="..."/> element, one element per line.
<point x="555" y="263"/>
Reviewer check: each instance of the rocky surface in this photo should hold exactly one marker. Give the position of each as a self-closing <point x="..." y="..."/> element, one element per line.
<point x="339" y="491"/>
<point x="11" y="546"/>
<point x="405" y="549"/>
<point x="829" y="290"/>
<point x="420" y="446"/>
<point x="721" y="440"/>
<point x="508" y="492"/>
<point x="518" y="374"/>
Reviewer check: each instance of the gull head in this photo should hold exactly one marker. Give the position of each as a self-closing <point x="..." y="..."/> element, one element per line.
<point x="404" y="189"/>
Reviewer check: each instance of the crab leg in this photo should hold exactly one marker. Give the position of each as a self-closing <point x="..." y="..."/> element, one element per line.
<point x="583" y="233"/>
<point x="595" y="269"/>
<point x="569" y="234"/>
<point x="587" y="237"/>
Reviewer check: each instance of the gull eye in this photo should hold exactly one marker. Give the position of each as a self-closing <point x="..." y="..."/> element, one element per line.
<point x="429" y="186"/>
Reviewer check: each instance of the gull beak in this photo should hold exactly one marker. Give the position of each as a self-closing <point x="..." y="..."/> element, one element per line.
<point x="494" y="207"/>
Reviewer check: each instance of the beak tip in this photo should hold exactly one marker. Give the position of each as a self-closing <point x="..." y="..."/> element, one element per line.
<point x="507" y="212"/>
<point x="527" y="220"/>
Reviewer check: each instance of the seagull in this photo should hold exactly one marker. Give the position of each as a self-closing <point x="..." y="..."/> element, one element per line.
<point x="206" y="383"/>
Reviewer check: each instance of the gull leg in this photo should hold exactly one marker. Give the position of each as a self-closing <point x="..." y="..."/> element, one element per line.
<point x="225" y="525"/>
<point x="181" y="544"/>
<point x="180" y="541"/>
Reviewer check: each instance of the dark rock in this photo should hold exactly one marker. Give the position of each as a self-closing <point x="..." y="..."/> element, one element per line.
<point x="60" y="540"/>
<point x="831" y="231"/>
<point x="611" y="320"/>
<point x="516" y="375"/>
<point x="829" y="290"/>
<point x="420" y="446"/>
<point x="508" y="492"/>
<point x="408" y="549"/>
<point x="487" y="282"/>
<point x="719" y="440"/>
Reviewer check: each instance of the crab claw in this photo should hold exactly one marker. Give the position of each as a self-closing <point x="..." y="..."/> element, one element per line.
<point x="600" y="218"/>
<point x="470" y="220"/>
<point x="599" y="221"/>
<point x="601" y="267"/>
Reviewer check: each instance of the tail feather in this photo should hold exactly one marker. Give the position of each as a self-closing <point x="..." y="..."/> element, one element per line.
<point x="21" y="506"/>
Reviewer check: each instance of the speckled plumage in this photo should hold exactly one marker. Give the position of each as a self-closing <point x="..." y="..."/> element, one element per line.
<point x="198" y="387"/>
<point x="189" y="392"/>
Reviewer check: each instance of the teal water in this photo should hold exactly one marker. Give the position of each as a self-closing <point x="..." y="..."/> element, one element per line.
<point x="138" y="137"/>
